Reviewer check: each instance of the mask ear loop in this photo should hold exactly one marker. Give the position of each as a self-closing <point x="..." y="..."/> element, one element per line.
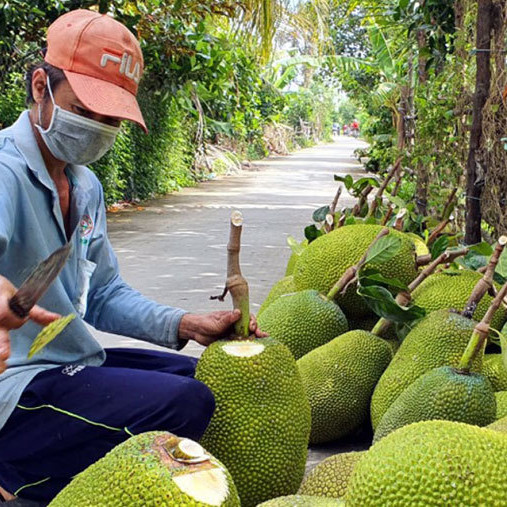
<point x="48" y="82"/>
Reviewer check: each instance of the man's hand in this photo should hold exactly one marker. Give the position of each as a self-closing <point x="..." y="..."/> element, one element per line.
<point x="205" y="329"/>
<point x="8" y="320"/>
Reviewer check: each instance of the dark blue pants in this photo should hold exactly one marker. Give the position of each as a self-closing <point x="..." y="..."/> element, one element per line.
<point x="69" y="417"/>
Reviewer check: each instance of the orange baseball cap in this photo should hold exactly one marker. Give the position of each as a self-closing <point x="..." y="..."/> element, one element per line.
<point x="102" y="61"/>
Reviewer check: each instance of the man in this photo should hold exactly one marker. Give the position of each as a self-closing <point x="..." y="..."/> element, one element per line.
<point x="70" y="404"/>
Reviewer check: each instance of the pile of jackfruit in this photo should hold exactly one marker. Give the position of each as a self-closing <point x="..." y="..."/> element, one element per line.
<point x="433" y="398"/>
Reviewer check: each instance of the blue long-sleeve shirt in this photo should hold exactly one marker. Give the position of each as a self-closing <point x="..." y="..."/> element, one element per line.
<point x="31" y="228"/>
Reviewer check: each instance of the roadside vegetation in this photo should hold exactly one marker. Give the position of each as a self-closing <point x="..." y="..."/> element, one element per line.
<point x="232" y="80"/>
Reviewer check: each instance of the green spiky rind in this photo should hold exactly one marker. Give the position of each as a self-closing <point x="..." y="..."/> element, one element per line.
<point x="303" y="321"/>
<point x="367" y="324"/>
<point x="494" y="368"/>
<point x="444" y="394"/>
<point x="501" y="404"/>
<point x="261" y="423"/>
<point x="49" y="333"/>
<point x="339" y="379"/>
<point x="499" y="425"/>
<point x="420" y="246"/>
<point x="133" y="474"/>
<point x="438" y="340"/>
<point x="301" y="501"/>
<point x="432" y="463"/>
<point x="283" y="286"/>
<point x="330" y="478"/>
<point x="451" y="289"/>
<point x="327" y="258"/>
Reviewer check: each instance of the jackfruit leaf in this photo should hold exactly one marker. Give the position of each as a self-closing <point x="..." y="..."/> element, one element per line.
<point x="384" y="250"/>
<point x="347" y="180"/>
<point x="473" y="260"/>
<point x="440" y="246"/>
<point x="370" y="276"/>
<point x="483" y="248"/>
<point x="312" y="233"/>
<point x="382" y="302"/>
<point x="363" y="182"/>
<point x="319" y="215"/>
<point x="501" y="268"/>
<point x="296" y="247"/>
<point x="397" y="201"/>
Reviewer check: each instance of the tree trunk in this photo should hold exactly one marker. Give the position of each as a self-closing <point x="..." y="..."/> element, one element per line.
<point x="423" y="177"/>
<point x="475" y="171"/>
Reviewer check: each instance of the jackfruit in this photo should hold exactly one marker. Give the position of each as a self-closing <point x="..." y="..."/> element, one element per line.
<point x="289" y="270"/>
<point x="261" y="423"/>
<point x="326" y="259"/>
<point x="301" y="501"/>
<point x="154" y="468"/>
<point x="451" y="289"/>
<point x="420" y="246"/>
<point x="437" y="340"/>
<point x="442" y="393"/>
<point x="283" y="286"/>
<point x="432" y="463"/>
<point x="501" y="404"/>
<point x="499" y="425"/>
<point x="303" y="321"/>
<point x="339" y="379"/>
<point x="330" y="478"/>
<point x="494" y="369"/>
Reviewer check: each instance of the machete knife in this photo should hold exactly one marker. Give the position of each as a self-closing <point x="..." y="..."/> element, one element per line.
<point x="34" y="287"/>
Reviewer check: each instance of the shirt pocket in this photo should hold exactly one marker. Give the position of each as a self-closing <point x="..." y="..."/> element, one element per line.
<point x="85" y="270"/>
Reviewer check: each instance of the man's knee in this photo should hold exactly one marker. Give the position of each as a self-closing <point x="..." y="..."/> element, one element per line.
<point x="194" y="407"/>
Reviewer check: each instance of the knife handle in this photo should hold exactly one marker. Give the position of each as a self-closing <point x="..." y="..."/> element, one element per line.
<point x="18" y="308"/>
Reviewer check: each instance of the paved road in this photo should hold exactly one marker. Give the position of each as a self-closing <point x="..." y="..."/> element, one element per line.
<point x="175" y="250"/>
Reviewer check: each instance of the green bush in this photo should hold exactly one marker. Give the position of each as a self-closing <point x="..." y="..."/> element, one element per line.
<point x="141" y="166"/>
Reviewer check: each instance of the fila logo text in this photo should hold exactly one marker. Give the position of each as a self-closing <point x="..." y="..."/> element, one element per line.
<point x="125" y="65"/>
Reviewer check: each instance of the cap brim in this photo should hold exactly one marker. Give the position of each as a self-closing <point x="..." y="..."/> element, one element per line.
<point x="103" y="97"/>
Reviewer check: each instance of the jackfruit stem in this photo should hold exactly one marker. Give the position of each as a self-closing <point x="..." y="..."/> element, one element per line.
<point x="378" y="197"/>
<point x="356" y="211"/>
<point x="485" y="284"/>
<point x="449" y="204"/>
<point x="400" y="220"/>
<point x="480" y="334"/>
<point x="350" y="274"/>
<point x="404" y="297"/>
<point x="236" y="284"/>
<point x="438" y="229"/>
<point x="329" y="225"/>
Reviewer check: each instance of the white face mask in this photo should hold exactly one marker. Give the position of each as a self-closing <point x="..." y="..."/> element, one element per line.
<point x="75" y="139"/>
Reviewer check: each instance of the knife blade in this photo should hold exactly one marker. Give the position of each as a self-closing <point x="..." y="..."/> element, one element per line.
<point x="34" y="287"/>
